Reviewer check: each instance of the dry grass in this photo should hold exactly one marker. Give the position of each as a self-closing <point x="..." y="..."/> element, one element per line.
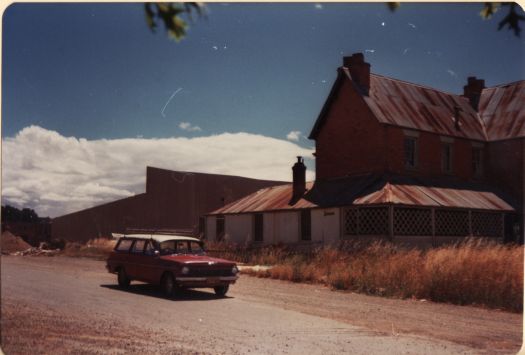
<point x="98" y="248"/>
<point x="476" y="272"/>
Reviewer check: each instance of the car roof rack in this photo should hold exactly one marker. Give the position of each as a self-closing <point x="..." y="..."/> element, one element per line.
<point x="178" y="232"/>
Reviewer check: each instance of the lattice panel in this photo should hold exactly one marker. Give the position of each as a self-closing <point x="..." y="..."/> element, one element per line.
<point x="412" y="221"/>
<point x="451" y="223"/>
<point x="350" y="221"/>
<point x="373" y="221"/>
<point x="486" y="224"/>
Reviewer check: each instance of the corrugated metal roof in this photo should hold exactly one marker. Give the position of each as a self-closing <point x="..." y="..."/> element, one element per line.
<point x="371" y="190"/>
<point x="502" y="109"/>
<point x="403" y="104"/>
<point x="409" y="105"/>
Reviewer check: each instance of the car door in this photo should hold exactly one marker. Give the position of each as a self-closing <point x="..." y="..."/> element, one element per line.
<point x="151" y="268"/>
<point x="136" y="260"/>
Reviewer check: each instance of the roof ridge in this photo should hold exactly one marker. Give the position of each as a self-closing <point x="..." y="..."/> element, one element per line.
<point x="415" y="84"/>
<point x="502" y="85"/>
<point x="483" y="126"/>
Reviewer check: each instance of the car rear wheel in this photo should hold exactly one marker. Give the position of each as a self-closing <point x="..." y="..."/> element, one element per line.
<point x="221" y="290"/>
<point x="123" y="280"/>
<point x="167" y="284"/>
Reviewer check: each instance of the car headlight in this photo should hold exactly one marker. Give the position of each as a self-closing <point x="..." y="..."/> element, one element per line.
<point x="235" y="270"/>
<point x="185" y="270"/>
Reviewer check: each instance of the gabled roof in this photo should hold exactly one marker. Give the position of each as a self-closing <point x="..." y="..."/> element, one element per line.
<point x="403" y="104"/>
<point x="374" y="189"/>
<point x="502" y="109"/>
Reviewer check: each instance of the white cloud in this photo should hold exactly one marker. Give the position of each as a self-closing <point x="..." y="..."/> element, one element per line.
<point x="54" y="175"/>
<point x="186" y="126"/>
<point x="319" y="6"/>
<point x="294" y="136"/>
<point x="452" y="72"/>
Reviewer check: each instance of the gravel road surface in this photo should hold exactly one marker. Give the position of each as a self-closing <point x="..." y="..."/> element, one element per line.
<point x="67" y="305"/>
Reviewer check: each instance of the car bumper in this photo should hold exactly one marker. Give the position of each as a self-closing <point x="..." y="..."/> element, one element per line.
<point x="189" y="281"/>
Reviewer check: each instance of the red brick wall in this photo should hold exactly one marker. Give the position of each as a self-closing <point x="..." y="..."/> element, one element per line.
<point x="351" y="141"/>
<point x="504" y="166"/>
<point x="429" y="155"/>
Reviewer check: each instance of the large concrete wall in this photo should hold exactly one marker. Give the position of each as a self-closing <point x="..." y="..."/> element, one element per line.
<point x="173" y="200"/>
<point x="101" y="221"/>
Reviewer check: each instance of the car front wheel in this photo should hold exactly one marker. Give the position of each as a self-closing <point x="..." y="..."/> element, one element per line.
<point x="123" y="280"/>
<point x="221" y="290"/>
<point x="167" y="284"/>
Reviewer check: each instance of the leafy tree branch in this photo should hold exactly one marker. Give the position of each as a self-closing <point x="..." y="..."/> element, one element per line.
<point x="170" y="15"/>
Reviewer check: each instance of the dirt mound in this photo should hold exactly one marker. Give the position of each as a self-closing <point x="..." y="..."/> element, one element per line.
<point x="11" y="243"/>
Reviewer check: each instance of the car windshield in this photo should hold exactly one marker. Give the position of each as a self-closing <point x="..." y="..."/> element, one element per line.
<point x="181" y="247"/>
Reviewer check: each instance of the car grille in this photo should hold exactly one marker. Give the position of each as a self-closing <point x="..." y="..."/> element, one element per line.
<point x="210" y="272"/>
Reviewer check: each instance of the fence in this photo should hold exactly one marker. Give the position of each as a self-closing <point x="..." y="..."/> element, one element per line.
<point x="389" y="221"/>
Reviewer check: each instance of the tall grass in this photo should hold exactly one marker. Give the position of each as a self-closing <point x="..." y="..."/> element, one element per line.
<point x="477" y="271"/>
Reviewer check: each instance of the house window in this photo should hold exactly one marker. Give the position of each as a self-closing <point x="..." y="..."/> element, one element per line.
<point x="410" y="152"/>
<point x="477" y="161"/>
<point x="446" y="158"/>
<point x="306" y="225"/>
<point x="258" y="227"/>
<point x="219" y="227"/>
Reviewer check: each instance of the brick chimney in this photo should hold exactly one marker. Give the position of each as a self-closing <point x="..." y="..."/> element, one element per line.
<point x="299" y="178"/>
<point x="359" y="71"/>
<point x="472" y="91"/>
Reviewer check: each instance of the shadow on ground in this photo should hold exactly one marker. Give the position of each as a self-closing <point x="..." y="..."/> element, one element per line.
<point x="180" y="295"/>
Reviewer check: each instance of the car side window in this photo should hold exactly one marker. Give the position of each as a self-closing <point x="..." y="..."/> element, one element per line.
<point x="148" y="249"/>
<point x="138" y="247"/>
<point x="196" y="248"/>
<point x="124" y="245"/>
<point x="167" y="247"/>
<point x="182" y="247"/>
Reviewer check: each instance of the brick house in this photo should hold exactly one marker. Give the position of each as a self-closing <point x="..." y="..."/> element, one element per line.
<point x="397" y="161"/>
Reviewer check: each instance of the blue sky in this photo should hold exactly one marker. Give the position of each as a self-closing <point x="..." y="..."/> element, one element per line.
<point x="96" y="71"/>
<point x="80" y="77"/>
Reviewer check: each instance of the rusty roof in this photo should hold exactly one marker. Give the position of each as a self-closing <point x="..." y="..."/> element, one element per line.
<point x="502" y="109"/>
<point x="372" y="189"/>
<point x="403" y="104"/>
<point x="409" y="105"/>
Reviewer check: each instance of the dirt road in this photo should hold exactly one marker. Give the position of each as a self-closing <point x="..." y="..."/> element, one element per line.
<point x="65" y="305"/>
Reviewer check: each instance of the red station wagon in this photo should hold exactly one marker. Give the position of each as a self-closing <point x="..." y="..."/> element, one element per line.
<point x="170" y="261"/>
